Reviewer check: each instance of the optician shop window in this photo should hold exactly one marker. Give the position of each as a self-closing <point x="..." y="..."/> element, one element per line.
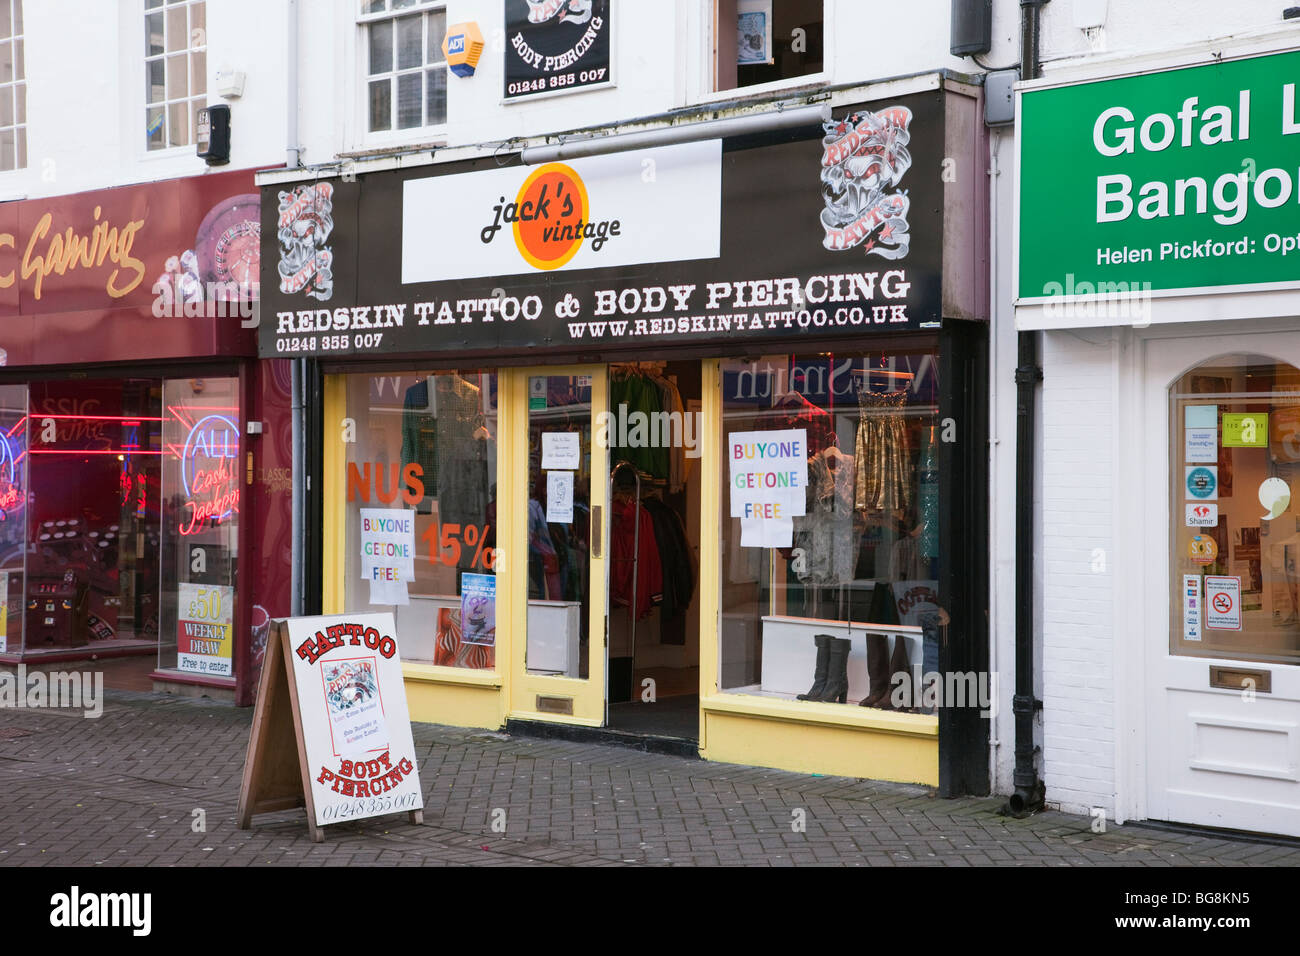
<point x="831" y="535"/>
<point x="1235" y="530"/>
<point x="421" y="510"/>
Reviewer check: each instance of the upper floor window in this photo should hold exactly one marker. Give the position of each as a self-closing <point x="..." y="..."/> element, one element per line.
<point x="765" y="41"/>
<point x="176" y="70"/>
<point x="405" y="68"/>
<point x="13" y="87"/>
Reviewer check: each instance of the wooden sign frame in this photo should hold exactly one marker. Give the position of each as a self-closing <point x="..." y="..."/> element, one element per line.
<point x="273" y="780"/>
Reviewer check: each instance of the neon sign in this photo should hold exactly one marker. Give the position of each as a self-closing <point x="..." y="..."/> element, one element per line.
<point x="209" y="473"/>
<point x="11" y="494"/>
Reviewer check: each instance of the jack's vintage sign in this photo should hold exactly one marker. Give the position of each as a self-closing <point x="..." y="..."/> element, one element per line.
<point x="556" y="46"/>
<point x="1174" y="182"/>
<point x="355" y="725"/>
<point x="574" y="215"/>
<point x="830" y="231"/>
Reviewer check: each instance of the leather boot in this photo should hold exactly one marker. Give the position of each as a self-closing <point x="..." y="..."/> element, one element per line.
<point x="877" y="670"/>
<point x="837" y="671"/>
<point x="819" y="674"/>
<point x="899" y="663"/>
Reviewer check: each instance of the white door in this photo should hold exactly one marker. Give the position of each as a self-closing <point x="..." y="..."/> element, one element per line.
<point x="1222" y="581"/>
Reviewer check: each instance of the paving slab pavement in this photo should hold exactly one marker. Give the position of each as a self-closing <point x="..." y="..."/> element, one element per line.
<point x="126" y="789"/>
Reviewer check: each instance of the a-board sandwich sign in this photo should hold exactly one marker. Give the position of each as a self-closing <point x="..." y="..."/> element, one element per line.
<point x="339" y="696"/>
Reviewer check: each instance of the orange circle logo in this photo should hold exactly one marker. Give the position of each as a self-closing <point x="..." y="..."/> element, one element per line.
<point x="552" y="211"/>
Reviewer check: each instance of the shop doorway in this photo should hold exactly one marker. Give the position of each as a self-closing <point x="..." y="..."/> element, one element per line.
<point x="1223" y="739"/>
<point x="560" y="511"/>
<point x="612" y="498"/>
<point x="654" y="438"/>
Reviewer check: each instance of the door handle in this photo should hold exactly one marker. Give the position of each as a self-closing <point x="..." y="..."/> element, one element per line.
<point x="597" y="537"/>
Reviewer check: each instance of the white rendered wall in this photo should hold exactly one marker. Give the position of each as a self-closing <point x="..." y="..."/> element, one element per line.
<point x="86" y="88"/>
<point x="661" y="62"/>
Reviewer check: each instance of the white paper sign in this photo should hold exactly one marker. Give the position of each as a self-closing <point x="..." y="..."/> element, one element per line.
<point x="1202" y="514"/>
<point x="561" y="450"/>
<point x="1201" y="445"/>
<point x="766" y="532"/>
<point x="768" y="473"/>
<point x="389" y="592"/>
<point x="559" y="497"/>
<point x="388" y="553"/>
<point x="1222" y="602"/>
<point x="1191" y="607"/>
<point x="355" y="724"/>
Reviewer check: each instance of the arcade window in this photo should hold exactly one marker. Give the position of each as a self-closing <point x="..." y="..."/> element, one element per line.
<point x="405" y="68"/>
<point x="766" y="41"/>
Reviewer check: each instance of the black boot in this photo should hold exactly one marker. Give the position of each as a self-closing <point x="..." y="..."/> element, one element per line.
<point x="837" y="671"/>
<point x="819" y="675"/>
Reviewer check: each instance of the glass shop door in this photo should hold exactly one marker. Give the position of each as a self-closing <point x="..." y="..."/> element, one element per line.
<point x="559" y="491"/>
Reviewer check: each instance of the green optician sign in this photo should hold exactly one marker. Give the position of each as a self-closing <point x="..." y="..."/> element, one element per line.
<point x="1187" y="179"/>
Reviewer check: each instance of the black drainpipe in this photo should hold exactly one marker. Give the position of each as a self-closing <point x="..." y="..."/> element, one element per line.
<point x="1028" y="795"/>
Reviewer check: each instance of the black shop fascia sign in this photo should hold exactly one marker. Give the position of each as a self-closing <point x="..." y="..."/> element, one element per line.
<point x="819" y="232"/>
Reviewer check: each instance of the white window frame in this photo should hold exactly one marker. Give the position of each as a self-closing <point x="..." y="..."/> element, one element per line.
<point x="17" y="88"/>
<point x="363" y="138"/>
<point x="140" y="105"/>
<point x="703" y="77"/>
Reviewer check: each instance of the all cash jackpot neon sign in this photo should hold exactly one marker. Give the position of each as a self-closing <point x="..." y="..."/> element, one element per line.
<point x="209" y="473"/>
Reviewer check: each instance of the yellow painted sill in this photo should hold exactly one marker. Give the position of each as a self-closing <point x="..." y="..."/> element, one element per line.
<point x="432" y="674"/>
<point x="811" y="712"/>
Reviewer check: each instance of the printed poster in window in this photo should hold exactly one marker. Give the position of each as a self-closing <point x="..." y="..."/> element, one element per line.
<point x="478" y="609"/>
<point x="753" y="32"/>
<point x="205" y="629"/>
<point x="556" y="46"/>
<point x="352" y="700"/>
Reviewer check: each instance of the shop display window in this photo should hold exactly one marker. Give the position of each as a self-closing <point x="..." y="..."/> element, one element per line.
<point x="421" y="494"/>
<point x="831" y="536"/>
<point x="1235" y="530"/>
<point x="201" y="486"/>
<point x="13" y="514"/>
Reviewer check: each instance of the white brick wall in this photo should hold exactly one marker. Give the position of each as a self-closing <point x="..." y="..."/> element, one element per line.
<point x="1077" y="504"/>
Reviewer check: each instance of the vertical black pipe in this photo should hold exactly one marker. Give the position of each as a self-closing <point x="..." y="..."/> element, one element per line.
<point x="1028" y="795"/>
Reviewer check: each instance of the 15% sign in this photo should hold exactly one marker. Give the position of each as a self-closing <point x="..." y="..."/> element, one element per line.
<point x="448" y="541"/>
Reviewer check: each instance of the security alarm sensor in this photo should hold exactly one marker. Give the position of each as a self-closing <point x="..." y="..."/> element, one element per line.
<point x="230" y="84"/>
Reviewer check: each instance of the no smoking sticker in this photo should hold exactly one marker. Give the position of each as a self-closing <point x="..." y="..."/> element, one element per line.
<point x="1222" y="602"/>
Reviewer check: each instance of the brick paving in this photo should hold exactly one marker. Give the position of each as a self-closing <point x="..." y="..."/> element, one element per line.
<point x="123" y="790"/>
